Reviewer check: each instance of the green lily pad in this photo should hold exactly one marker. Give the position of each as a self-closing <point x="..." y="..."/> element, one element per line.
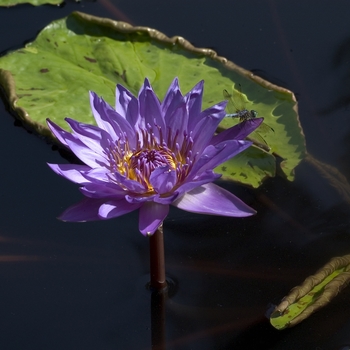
<point x="315" y="292"/>
<point x="9" y="3"/>
<point x="51" y="76"/>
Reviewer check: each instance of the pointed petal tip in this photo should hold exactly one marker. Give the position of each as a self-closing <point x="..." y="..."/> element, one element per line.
<point x="50" y="123"/>
<point x="174" y="85"/>
<point x="199" y="87"/>
<point x="147" y="83"/>
<point x="211" y="199"/>
<point x="258" y="121"/>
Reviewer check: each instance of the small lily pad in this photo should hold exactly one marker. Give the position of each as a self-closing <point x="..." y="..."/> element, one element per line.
<point x="51" y="76"/>
<point x="9" y="3"/>
<point x="316" y="291"/>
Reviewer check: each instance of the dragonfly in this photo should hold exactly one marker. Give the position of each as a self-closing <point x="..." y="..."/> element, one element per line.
<point x="236" y="109"/>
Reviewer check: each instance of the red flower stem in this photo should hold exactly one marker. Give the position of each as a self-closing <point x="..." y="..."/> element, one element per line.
<point x="157" y="262"/>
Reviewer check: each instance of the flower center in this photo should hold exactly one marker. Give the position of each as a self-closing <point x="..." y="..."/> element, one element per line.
<point x="150" y="153"/>
<point x="142" y="163"/>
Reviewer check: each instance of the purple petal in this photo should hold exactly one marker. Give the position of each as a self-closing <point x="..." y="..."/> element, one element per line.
<point x="213" y="156"/>
<point x="213" y="200"/>
<point x="175" y="110"/>
<point x="126" y="104"/>
<point x="92" y="158"/>
<point x="97" y="190"/>
<point x="176" y="122"/>
<point x="110" y="120"/>
<point x="204" y="178"/>
<point x="98" y="175"/>
<point x="150" y="110"/>
<point x="131" y="185"/>
<point x="238" y="132"/>
<point x="151" y="217"/>
<point x="163" y="179"/>
<point x="61" y="134"/>
<point x="215" y="109"/>
<point x="86" y="210"/>
<point x="90" y="135"/>
<point x="115" y="208"/>
<point x="204" y="130"/>
<point x="123" y="97"/>
<point x="171" y="99"/>
<point x="223" y="152"/>
<point x="194" y="102"/>
<point x="71" y="172"/>
<point x="101" y="111"/>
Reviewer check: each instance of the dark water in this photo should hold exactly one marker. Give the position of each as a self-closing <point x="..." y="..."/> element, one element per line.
<point x="82" y="286"/>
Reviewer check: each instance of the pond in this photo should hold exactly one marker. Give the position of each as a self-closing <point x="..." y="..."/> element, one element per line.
<point x="83" y="286"/>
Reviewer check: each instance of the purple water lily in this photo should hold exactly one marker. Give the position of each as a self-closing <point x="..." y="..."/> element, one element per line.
<point x="146" y="154"/>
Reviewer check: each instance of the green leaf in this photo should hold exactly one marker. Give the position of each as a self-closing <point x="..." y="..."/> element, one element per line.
<point x="250" y="167"/>
<point x="315" y="292"/>
<point x="51" y="77"/>
<point x="8" y="3"/>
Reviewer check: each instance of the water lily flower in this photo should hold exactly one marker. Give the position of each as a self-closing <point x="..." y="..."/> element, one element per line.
<point x="146" y="154"/>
